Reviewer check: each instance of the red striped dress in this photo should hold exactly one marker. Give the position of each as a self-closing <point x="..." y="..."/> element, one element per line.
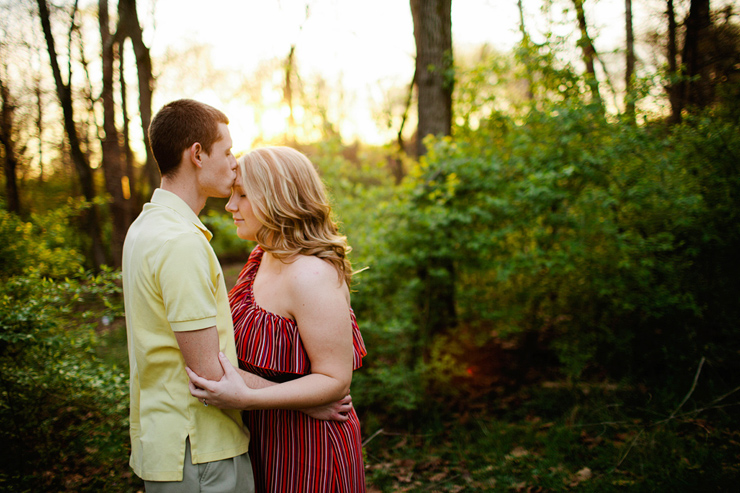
<point x="290" y="451"/>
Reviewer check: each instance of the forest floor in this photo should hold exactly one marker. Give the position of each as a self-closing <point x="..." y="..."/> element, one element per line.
<point x="599" y="444"/>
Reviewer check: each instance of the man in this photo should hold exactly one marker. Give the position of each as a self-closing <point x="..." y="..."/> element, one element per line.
<point x="177" y="313"/>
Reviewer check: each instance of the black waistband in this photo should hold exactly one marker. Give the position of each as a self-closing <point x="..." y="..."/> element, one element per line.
<point x="283" y="377"/>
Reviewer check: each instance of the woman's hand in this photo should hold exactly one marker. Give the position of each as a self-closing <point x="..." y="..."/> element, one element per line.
<point x="336" y="411"/>
<point x="231" y="392"/>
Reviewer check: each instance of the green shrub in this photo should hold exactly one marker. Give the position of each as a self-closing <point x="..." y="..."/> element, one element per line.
<point x="63" y="414"/>
<point x="605" y="243"/>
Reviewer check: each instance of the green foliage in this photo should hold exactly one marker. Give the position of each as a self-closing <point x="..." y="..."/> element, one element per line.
<point x="63" y="415"/>
<point x="41" y="246"/>
<point x="605" y="243"/>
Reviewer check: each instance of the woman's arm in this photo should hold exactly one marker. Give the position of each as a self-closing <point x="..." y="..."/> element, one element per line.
<point x="231" y="387"/>
<point x="319" y="303"/>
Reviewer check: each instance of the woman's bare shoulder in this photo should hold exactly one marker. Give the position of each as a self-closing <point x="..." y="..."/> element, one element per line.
<point x="311" y="272"/>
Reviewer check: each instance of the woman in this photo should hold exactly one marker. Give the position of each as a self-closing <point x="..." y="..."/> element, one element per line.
<point x="293" y="325"/>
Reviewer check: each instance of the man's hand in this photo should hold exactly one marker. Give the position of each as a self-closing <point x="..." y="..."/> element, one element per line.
<point x="336" y="411"/>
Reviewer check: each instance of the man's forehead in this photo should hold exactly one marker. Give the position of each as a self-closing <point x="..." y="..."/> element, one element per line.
<point x="223" y="129"/>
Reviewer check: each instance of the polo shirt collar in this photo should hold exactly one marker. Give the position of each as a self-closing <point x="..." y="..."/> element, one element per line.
<point x="171" y="200"/>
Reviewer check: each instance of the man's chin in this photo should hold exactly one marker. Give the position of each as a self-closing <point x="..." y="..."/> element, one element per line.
<point x="222" y="195"/>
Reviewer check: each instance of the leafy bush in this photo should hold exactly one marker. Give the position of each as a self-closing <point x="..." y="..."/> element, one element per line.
<point x="63" y="415"/>
<point x="605" y="244"/>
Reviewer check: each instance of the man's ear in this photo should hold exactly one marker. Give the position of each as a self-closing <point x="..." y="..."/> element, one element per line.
<point x="194" y="153"/>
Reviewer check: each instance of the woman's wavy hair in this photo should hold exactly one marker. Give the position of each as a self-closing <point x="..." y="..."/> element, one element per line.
<point x="289" y="199"/>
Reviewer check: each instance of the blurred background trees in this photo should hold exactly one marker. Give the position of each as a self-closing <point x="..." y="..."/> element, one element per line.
<point x="542" y="216"/>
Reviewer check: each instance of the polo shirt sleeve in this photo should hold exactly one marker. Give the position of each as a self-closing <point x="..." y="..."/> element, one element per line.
<point x="187" y="283"/>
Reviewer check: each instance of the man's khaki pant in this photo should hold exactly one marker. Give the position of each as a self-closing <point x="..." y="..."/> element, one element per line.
<point x="224" y="476"/>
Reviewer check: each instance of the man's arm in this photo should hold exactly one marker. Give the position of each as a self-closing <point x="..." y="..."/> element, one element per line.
<point x="200" y="350"/>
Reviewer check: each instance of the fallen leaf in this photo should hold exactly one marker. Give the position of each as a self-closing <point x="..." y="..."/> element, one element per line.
<point x="519" y="452"/>
<point x="581" y="476"/>
<point x="436" y="478"/>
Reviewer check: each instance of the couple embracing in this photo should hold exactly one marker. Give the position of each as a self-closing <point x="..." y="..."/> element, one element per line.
<point x="246" y="390"/>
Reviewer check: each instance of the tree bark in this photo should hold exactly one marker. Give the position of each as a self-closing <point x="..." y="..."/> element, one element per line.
<point x="673" y="88"/>
<point x="82" y="166"/>
<point x="589" y="53"/>
<point x="629" y="72"/>
<point x="130" y="27"/>
<point x="112" y="157"/>
<point x="696" y="88"/>
<point x="434" y="70"/>
<point x="39" y="125"/>
<point x="10" y="165"/>
<point x="435" y="82"/>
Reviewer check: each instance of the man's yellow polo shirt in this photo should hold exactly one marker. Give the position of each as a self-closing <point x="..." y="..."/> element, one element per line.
<point x="172" y="282"/>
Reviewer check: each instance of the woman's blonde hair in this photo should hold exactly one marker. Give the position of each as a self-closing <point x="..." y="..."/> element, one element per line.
<point x="289" y="199"/>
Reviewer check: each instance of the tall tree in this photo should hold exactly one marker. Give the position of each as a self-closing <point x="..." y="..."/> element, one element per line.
<point x="673" y="88"/>
<point x="129" y="27"/>
<point x="10" y="164"/>
<point x="113" y="164"/>
<point x="435" y="82"/>
<point x="629" y="72"/>
<point x="696" y="88"/>
<point x="434" y="70"/>
<point x="38" y="98"/>
<point x="589" y="52"/>
<point x="82" y="166"/>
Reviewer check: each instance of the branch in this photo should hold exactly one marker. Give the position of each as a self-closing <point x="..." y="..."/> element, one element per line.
<point x="369" y="439"/>
<point x="406" y="113"/>
<point x="691" y="391"/>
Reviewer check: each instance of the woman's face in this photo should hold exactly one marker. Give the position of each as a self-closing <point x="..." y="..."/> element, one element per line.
<point x="246" y="222"/>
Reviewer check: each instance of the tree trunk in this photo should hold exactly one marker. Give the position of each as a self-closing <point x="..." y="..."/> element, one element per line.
<point x="129" y="27"/>
<point x="673" y="88"/>
<point x="112" y="158"/>
<point x="434" y="70"/>
<point x="39" y="125"/>
<point x="435" y="82"/>
<point x="12" y="198"/>
<point x="696" y="88"/>
<point x="84" y="172"/>
<point x="527" y="46"/>
<point x="629" y="73"/>
<point x="589" y="53"/>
